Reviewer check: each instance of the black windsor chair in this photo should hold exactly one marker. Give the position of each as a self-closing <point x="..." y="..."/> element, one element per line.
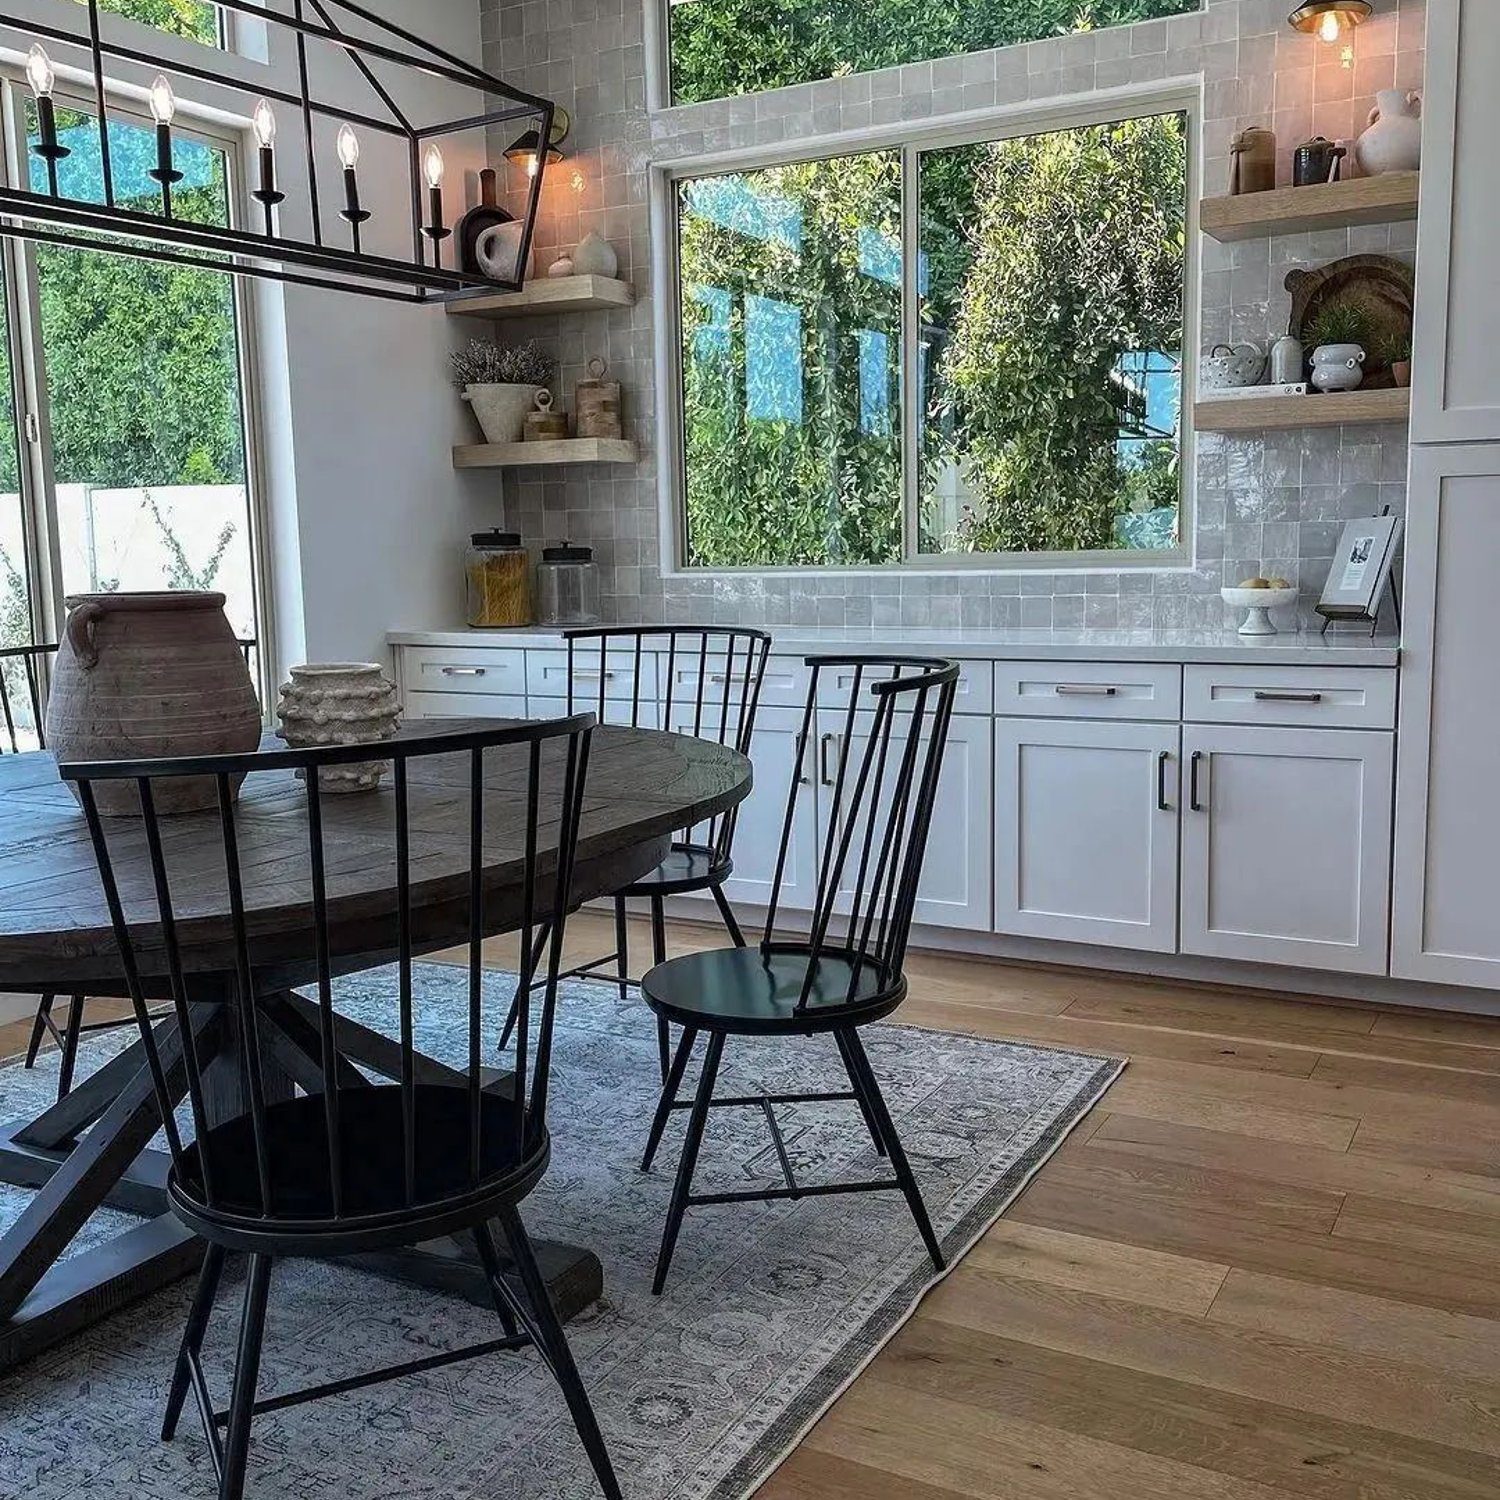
<point x="711" y="691"/>
<point x="352" y="1165"/>
<point x="848" y="971"/>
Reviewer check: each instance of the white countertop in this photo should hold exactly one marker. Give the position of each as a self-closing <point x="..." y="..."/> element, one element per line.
<point x="1344" y="647"/>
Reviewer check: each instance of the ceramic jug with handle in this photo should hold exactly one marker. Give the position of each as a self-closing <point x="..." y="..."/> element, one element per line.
<point x="1393" y="142"/>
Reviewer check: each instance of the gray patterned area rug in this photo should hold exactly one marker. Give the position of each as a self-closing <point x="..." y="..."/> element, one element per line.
<point x="771" y="1310"/>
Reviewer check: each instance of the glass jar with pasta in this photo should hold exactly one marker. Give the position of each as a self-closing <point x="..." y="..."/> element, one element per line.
<point x="498" y="575"/>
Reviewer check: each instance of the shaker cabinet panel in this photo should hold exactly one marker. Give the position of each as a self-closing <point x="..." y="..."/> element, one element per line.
<point x="1447" y="891"/>
<point x="1086" y="832"/>
<point x="1286" y="845"/>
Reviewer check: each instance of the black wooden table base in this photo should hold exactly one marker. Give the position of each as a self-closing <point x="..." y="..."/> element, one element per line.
<point x="93" y="1151"/>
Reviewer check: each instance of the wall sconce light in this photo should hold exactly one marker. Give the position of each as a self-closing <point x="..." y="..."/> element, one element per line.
<point x="525" y="150"/>
<point x="1330" y="21"/>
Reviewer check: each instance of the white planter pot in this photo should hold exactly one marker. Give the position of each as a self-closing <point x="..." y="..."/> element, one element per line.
<point x="1393" y="143"/>
<point x="340" y="703"/>
<point x="501" y="410"/>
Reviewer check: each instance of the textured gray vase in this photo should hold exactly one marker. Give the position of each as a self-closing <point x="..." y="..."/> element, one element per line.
<point x="340" y="703"/>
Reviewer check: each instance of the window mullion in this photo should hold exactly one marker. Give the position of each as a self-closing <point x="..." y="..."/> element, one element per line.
<point x="911" y="353"/>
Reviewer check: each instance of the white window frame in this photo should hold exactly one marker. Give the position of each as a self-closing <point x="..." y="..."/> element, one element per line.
<point x="28" y="362"/>
<point x="1106" y="106"/>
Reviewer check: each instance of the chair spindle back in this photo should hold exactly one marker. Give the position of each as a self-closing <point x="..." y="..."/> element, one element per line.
<point x="25" y="662"/>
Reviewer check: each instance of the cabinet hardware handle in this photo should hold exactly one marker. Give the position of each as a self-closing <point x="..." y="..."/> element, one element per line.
<point x="1262" y="696"/>
<point x="593" y="672"/>
<point x="464" y="671"/>
<point x="1193" y="799"/>
<point x="1085" y="690"/>
<point x="1162" y="762"/>
<point x="718" y="677"/>
<point x="823" y="744"/>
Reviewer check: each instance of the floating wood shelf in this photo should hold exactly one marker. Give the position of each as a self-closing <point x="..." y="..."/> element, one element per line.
<point x="1261" y="413"/>
<point x="1330" y="205"/>
<point x="549" y="294"/>
<point x="555" y="451"/>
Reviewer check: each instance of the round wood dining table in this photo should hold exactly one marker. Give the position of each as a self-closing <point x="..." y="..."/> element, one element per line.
<point x="91" y="1149"/>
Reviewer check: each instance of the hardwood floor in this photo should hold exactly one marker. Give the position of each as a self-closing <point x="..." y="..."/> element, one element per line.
<point x="1267" y="1265"/>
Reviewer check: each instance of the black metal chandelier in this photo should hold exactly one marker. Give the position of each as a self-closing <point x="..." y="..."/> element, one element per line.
<point x="322" y="248"/>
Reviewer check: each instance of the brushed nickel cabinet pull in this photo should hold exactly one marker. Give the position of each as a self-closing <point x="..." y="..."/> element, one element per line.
<point x="464" y="671"/>
<point x="1085" y="690"/>
<point x="823" y="744"/>
<point x="1263" y="696"/>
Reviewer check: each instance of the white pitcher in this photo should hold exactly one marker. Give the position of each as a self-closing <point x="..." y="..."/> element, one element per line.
<point x="1393" y="143"/>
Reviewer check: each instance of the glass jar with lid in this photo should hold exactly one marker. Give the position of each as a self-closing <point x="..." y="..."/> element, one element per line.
<point x="568" y="586"/>
<point x="497" y="572"/>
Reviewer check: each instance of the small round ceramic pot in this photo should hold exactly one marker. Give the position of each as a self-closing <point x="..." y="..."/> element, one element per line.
<point x="1338" y="367"/>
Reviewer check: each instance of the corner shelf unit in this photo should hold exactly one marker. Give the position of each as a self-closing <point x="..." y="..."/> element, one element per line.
<point x="1388" y="199"/>
<point x="1335" y="409"/>
<point x="548" y="294"/>
<point x="549" y="451"/>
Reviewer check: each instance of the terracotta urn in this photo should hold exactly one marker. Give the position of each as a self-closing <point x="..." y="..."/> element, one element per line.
<point x="340" y="703"/>
<point x="142" y="676"/>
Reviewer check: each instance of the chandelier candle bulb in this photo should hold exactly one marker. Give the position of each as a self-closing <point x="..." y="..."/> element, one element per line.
<point x="43" y="79"/>
<point x="164" y="111"/>
<point x="353" y="214"/>
<point x="264" y="122"/>
<point x="436" y="230"/>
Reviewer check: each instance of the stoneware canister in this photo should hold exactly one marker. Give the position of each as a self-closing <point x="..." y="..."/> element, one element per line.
<point x="141" y="676"/>
<point x="340" y="703"/>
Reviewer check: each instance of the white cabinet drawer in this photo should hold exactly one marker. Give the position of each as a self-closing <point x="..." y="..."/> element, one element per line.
<point x="462" y="669"/>
<point x="465" y="706"/>
<point x="784" y="685"/>
<point x="1088" y="690"/>
<point x="547" y="674"/>
<point x="975" y="687"/>
<point x="1329" y="697"/>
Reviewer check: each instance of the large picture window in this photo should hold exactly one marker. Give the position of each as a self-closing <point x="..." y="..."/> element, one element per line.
<point x="197" y="20"/>
<point x="1037" y="284"/>
<point x="720" y="48"/>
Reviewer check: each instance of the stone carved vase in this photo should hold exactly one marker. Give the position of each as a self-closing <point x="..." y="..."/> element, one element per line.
<point x="142" y="676"/>
<point x="1393" y="142"/>
<point x="340" y="703"/>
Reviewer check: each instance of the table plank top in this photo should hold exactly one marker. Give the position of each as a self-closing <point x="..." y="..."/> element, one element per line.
<point x="643" y="786"/>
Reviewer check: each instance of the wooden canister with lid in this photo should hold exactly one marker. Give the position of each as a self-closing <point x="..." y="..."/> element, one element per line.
<point x="596" y="404"/>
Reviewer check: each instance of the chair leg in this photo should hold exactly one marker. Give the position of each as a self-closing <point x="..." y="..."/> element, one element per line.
<point x="39" y="1028"/>
<point x="552" y="1344"/>
<point x="490" y="1260"/>
<point x="688" y="1163"/>
<point x="659" y="956"/>
<point x="869" y="1088"/>
<point x="864" y="1107"/>
<point x="669" y="1095"/>
<point x="192" y="1337"/>
<point x="538" y="948"/>
<point x="246" y="1375"/>
<point x="727" y="912"/>
<point x="622" y="948"/>
<point x="70" y="1046"/>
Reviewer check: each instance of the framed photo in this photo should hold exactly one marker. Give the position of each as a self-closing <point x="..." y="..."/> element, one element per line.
<point x="1361" y="567"/>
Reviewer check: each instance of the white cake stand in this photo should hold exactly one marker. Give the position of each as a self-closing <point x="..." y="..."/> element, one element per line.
<point x="1258" y="604"/>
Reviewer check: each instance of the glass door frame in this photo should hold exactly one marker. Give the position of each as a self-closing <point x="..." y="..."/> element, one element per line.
<point x="29" y="371"/>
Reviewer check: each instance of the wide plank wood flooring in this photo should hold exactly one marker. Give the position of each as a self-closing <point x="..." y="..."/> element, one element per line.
<point x="1266" y="1266"/>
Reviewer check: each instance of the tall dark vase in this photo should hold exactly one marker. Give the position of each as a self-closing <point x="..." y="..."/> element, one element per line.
<point x="474" y="223"/>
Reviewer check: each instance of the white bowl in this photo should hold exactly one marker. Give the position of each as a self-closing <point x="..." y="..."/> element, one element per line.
<point x="1258" y="603"/>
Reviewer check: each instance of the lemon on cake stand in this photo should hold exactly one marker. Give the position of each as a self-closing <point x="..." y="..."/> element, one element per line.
<point x="1258" y="597"/>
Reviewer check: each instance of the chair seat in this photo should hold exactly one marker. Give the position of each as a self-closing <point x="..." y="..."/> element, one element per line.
<point x="756" y="990"/>
<point x="373" y="1168"/>
<point x="689" y="867"/>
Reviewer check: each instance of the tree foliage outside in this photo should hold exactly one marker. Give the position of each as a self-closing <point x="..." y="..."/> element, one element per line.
<point x="195" y="19"/>
<point x="721" y="48"/>
<point x="785" y="463"/>
<point x="1070" y="259"/>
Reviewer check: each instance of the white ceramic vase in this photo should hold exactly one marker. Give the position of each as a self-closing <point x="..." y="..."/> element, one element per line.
<point x="1393" y="142"/>
<point x="340" y="703"/>
<point x="1338" y="367"/>
<point x="498" y="251"/>
<point x="595" y="256"/>
<point x="501" y="410"/>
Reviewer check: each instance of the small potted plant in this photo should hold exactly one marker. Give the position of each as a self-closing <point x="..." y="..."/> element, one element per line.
<point x="500" y="382"/>
<point x="1339" y="335"/>
<point x="1395" y="350"/>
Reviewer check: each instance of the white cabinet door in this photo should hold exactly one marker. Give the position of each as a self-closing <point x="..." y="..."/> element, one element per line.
<point x="465" y="705"/>
<point x="1446" y="924"/>
<point x="1086" y="832"/>
<point x="757" y="835"/>
<point x="957" y="879"/>
<point x="1456" y="377"/>
<point x="1286" y="845"/>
